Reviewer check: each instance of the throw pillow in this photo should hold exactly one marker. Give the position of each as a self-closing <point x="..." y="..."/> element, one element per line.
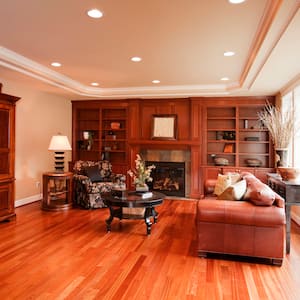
<point x="234" y="192"/>
<point x="234" y="177"/>
<point x="105" y="169"/>
<point x="223" y="181"/>
<point x="93" y="173"/>
<point x="259" y="193"/>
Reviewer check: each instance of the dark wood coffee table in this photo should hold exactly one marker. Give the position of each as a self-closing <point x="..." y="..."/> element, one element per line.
<point x="130" y="199"/>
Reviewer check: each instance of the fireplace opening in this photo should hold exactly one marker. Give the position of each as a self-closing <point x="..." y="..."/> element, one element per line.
<point x="168" y="178"/>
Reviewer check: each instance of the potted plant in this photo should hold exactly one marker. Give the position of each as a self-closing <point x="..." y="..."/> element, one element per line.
<point x="281" y="126"/>
<point x="141" y="174"/>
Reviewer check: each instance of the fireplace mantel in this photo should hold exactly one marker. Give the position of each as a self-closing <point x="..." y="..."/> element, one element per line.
<point x="165" y="144"/>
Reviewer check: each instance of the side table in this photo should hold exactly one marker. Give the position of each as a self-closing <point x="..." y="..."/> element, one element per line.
<point x="290" y="191"/>
<point x="57" y="191"/>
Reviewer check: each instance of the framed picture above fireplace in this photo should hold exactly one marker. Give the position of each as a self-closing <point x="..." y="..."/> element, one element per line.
<point x="164" y="127"/>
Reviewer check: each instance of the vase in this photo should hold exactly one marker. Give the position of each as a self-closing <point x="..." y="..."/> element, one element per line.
<point x="281" y="157"/>
<point x="142" y="188"/>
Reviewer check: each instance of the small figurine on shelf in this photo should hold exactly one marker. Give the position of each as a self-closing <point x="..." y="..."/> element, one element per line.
<point x="88" y="139"/>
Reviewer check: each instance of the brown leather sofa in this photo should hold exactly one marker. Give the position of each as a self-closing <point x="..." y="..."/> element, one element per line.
<point x="240" y="227"/>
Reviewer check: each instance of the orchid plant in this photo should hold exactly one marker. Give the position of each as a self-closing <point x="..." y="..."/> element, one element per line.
<point x="142" y="173"/>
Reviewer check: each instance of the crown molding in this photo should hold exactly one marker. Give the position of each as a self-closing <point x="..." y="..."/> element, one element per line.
<point x="16" y="62"/>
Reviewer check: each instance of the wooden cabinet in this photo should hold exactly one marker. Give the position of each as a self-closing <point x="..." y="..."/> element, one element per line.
<point x="7" y="156"/>
<point x="100" y="131"/>
<point x="57" y="191"/>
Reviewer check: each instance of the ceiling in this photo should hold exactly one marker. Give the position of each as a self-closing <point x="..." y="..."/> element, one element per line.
<point x="181" y="43"/>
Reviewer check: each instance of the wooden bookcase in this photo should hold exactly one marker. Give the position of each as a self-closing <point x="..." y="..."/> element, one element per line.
<point x="100" y="132"/>
<point x="114" y="134"/>
<point x="236" y="134"/>
<point x="232" y="130"/>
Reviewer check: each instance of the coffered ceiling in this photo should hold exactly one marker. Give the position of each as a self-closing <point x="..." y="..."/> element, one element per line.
<point x="181" y="43"/>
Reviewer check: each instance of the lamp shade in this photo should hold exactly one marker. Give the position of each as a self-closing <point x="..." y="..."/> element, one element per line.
<point x="59" y="143"/>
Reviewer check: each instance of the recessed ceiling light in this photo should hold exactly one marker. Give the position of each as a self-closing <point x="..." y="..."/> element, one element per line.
<point x="136" y="59"/>
<point x="236" y="1"/>
<point x="155" y="81"/>
<point x="95" y="13"/>
<point x="94" y="83"/>
<point x="56" y="64"/>
<point x="229" y="53"/>
<point x="225" y="79"/>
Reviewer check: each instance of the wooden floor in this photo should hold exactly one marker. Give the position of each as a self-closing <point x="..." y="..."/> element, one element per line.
<point x="69" y="255"/>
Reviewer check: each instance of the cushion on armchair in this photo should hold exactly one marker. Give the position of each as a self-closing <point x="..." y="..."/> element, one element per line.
<point x="93" y="173"/>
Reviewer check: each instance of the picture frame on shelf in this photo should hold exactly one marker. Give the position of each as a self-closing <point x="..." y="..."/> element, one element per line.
<point x="164" y="127"/>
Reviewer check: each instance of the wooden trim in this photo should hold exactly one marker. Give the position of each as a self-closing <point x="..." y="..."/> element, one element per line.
<point x="269" y="15"/>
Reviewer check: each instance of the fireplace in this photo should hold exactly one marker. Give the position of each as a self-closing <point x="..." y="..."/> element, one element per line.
<point x="168" y="178"/>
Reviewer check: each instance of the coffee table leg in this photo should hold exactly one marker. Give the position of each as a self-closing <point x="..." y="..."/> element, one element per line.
<point x="148" y="224"/>
<point x="154" y="214"/>
<point x="109" y="220"/>
<point x="147" y="216"/>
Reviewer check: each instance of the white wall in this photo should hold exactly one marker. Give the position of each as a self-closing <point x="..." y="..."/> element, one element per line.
<point x="39" y="115"/>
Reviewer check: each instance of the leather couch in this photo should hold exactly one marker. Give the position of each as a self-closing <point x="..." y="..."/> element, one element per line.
<point x="243" y="227"/>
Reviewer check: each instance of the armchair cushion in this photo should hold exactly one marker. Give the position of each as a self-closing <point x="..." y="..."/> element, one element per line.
<point x="93" y="173"/>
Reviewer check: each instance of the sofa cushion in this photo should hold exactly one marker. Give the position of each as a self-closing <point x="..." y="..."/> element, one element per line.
<point x="234" y="192"/>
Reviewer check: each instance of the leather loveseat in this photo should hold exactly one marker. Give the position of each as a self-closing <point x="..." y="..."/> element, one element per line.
<point x="253" y="226"/>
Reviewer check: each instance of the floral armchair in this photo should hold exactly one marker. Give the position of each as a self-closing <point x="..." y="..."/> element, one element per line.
<point x="91" y="178"/>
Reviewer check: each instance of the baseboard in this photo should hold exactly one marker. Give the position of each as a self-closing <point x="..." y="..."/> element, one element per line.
<point x="296" y="218"/>
<point x="28" y="200"/>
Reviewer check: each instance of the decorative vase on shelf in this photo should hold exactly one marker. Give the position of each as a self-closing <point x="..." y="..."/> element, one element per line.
<point x="281" y="157"/>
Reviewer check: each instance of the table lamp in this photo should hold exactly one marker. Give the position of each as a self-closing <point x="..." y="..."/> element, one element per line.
<point x="59" y="144"/>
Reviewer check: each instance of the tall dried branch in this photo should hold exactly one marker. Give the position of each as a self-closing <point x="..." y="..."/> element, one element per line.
<point x="280" y="125"/>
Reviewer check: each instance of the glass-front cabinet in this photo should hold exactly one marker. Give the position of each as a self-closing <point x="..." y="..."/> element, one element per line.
<point x="4" y="140"/>
<point x="7" y="155"/>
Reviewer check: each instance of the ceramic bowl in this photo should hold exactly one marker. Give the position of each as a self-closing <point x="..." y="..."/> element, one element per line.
<point x="221" y="161"/>
<point x="289" y="173"/>
<point x="253" y="162"/>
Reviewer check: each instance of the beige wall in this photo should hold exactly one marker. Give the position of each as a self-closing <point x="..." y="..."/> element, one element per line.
<point x="39" y="115"/>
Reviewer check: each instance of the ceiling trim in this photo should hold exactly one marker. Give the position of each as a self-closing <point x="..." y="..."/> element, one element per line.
<point x="21" y="64"/>
<point x="267" y="19"/>
<point x="285" y="26"/>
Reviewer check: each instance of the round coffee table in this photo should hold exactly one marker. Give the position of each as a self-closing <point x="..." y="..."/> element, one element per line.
<point x="116" y="202"/>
